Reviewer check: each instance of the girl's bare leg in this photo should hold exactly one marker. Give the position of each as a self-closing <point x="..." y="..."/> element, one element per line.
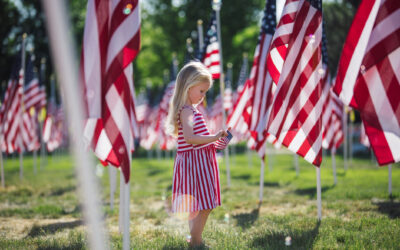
<point x="196" y="226"/>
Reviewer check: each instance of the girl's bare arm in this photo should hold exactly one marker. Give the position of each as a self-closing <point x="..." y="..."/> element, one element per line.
<point x="188" y="134"/>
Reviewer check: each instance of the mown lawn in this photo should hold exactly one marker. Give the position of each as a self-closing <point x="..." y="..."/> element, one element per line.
<point x="42" y="211"/>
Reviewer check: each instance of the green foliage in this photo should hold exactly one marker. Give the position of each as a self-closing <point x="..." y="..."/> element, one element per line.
<point x="168" y="26"/>
<point x="338" y="18"/>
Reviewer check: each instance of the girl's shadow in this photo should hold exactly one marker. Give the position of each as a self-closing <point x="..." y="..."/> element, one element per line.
<point x="246" y="220"/>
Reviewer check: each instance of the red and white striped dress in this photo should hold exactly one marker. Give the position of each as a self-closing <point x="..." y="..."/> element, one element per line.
<point x="196" y="175"/>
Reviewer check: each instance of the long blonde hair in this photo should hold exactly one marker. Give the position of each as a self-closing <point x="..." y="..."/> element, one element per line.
<point x="191" y="74"/>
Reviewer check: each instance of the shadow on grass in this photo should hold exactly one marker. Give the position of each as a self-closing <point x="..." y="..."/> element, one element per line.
<point x="60" y="191"/>
<point x="155" y="172"/>
<point x="391" y="208"/>
<point x="244" y="177"/>
<point x="246" y="220"/>
<point x="52" y="228"/>
<point x="312" y="191"/>
<point x="276" y="239"/>
<point x="266" y="184"/>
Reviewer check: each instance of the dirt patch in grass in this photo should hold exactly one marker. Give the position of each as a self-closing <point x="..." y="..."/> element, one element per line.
<point x="18" y="228"/>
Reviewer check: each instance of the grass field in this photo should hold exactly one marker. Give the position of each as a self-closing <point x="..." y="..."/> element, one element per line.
<point x="42" y="211"/>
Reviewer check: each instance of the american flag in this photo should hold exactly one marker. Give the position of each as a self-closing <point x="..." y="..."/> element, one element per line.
<point x="211" y="48"/>
<point x="295" y="65"/>
<point x="166" y="141"/>
<point x="243" y="74"/>
<point x="332" y="110"/>
<point x="214" y="115"/>
<point x="11" y="110"/>
<point x="239" y="129"/>
<point x="332" y="120"/>
<point x="54" y="126"/>
<point x="261" y="81"/>
<point x="34" y="94"/>
<point x="368" y="76"/>
<point x="236" y="119"/>
<point x="111" y="42"/>
<point x="228" y="95"/>
<point x="142" y="107"/>
<point x="254" y="102"/>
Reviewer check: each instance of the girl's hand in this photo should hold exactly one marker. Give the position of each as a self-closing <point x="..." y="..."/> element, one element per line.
<point x="222" y="133"/>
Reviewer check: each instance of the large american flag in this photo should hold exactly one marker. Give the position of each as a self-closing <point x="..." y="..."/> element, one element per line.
<point x="211" y="48"/>
<point x="368" y="77"/>
<point x="295" y="65"/>
<point x="111" y="42"/>
<point x="261" y="81"/>
<point x="253" y="104"/>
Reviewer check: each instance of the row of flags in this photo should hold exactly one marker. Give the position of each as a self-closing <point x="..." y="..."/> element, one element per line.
<point x="290" y="99"/>
<point x="23" y="103"/>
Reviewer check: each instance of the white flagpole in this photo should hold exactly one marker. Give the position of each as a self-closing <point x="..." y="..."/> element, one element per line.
<point x="21" y="166"/>
<point x="390" y="179"/>
<point x="42" y="158"/>
<point x="201" y="36"/>
<point x="34" y="161"/>
<point x="2" y="169"/>
<point x="126" y="234"/>
<point x="121" y="201"/>
<point x="351" y="128"/>
<point x="333" y="151"/>
<point x="112" y="172"/>
<point x="345" y="138"/>
<point x="216" y="5"/>
<point x="269" y="153"/>
<point x="261" y="180"/>
<point x="158" y="151"/>
<point x="34" y="153"/>
<point x="319" y="205"/>
<point x="65" y="63"/>
<point x="296" y="164"/>
<point x="250" y="157"/>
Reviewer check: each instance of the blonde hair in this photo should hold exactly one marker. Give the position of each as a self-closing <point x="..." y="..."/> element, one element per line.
<point x="191" y="74"/>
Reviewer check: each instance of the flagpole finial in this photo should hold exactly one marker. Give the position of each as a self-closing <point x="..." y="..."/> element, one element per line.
<point x="229" y="65"/>
<point x="245" y="55"/>
<point x="24" y="35"/>
<point x="216" y="4"/>
<point x="199" y="22"/>
<point x="43" y="60"/>
<point x="189" y="41"/>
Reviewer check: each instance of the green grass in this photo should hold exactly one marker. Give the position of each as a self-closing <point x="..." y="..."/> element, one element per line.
<point x="42" y="210"/>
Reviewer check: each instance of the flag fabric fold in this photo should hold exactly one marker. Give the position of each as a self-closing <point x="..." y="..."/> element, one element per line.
<point x="295" y="65"/>
<point x="111" y="42"/>
<point x="368" y="76"/>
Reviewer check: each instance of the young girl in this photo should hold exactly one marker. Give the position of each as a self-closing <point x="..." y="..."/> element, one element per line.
<point x="196" y="188"/>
